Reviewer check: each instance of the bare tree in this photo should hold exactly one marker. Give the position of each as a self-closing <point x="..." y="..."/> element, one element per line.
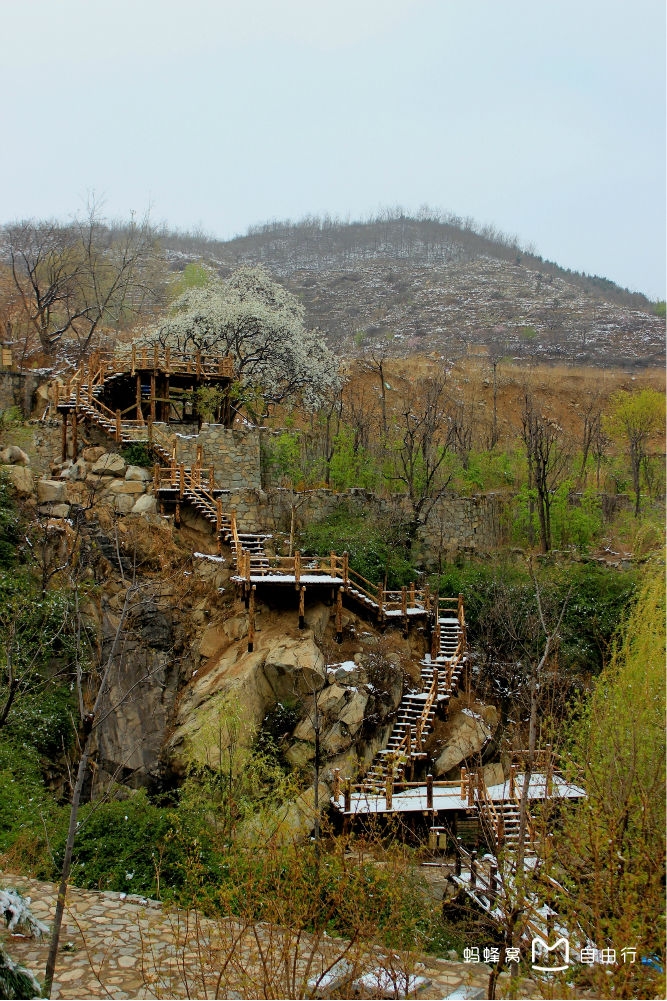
<point x="548" y="456"/>
<point x="73" y="279"/>
<point x="422" y="444"/>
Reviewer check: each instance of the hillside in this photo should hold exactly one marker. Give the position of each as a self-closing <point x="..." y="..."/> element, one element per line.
<point x="405" y="286"/>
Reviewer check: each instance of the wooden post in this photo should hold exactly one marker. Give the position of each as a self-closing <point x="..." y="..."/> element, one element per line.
<point x="156" y="477"/>
<point x="435" y="681"/>
<point x="302" y="606"/>
<point x="348" y="794"/>
<point x="332" y="563"/>
<point x="211" y="478"/>
<point x="412" y="595"/>
<point x="336" y="785"/>
<point x="404" y="602"/>
<point x="408" y="740"/>
<point x="429" y="791"/>
<point x="78" y="392"/>
<point x="464" y="782"/>
<point x="156" y="358"/>
<point x="389" y="786"/>
<point x="418" y="736"/>
<point x="380" y="601"/>
<point x="218" y="515"/>
<point x="473" y="868"/>
<point x="493" y="886"/>
<point x="181" y="480"/>
<point x="56" y="395"/>
<point x="140" y="416"/>
<point x="471" y="789"/>
<point x="346" y="566"/>
<point x="134" y="359"/>
<point x="75" y="439"/>
<point x="297" y="566"/>
<point x="501" y="829"/>
<point x="512" y="781"/>
<point x="118" y="426"/>
<point x="339" y="615"/>
<point x="167" y="359"/>
<point x="251" y="618"/>
<point x="153" y="414"/>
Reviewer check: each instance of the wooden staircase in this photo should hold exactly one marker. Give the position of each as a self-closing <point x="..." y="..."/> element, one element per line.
<point x="416" y="713"/>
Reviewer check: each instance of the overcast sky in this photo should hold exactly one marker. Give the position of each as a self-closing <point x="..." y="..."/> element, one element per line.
<point x="545" y="120"/>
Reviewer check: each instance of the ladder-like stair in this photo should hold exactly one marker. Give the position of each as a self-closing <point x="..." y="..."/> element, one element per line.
<point x="449" y="665"/>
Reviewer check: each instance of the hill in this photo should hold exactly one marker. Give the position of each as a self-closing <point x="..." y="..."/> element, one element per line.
<point x="404" y="285"/>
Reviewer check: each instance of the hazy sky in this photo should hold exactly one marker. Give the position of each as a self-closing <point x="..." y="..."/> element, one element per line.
<point x="545" y="120"/>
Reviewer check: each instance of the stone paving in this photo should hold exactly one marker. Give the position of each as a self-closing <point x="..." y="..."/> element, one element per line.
<point x="119" y="946"/>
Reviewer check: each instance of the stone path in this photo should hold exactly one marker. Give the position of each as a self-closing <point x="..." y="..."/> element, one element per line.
<point x="119" y="946"/>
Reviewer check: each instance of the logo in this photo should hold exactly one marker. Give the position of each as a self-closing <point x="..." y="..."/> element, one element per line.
<point x="560" y="950"/>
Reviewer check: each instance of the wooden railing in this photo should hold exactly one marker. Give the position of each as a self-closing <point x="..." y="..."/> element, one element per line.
<point x="345" y="789"/>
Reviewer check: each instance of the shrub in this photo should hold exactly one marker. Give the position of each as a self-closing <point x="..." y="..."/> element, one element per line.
<point x="138" y="455"/>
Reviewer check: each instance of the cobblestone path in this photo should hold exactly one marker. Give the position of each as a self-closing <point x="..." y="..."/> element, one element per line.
<point x="119" y="946"/>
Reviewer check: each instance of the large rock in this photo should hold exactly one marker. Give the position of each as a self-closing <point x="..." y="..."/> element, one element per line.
<point x="353" y="713"/>
<point x="55" y="510"/>
<point x="14" y="456"/>
<point x="126" y="487"/>
<point x="123" y="503"/>
<point x="137" y="473"/>
<point x="109" y="464"/>
<point x="51" y="492"/>
<point x="21" y="479"/>
<point x="144" y="505"/>
<point x="466" y="735"/>
<point x="295" y="667"/>
<point x="93" y="453"/>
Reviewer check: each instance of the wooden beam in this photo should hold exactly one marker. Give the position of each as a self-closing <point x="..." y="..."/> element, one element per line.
<point x="302" y="606"/>
<point x="251" y="619"/>
<point x="75" y="437"/>
<point x="64" y="437"/>
<point x="339" y="615"/>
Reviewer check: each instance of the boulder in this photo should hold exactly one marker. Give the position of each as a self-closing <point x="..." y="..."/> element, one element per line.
<point x="493" y="774"/>
<point x="299" y="817"/>
<point x="126" y="487"/>
<point x="123" y="503"/>
<point x="353" y="713"/>
<point x="336" y="739"/>
<point x="137" y="473"/>
<point x="144" y="505"/>
<point x="294" y="666"/>
<point x="51" y="492"/>
<point x="21" y="479"/>
<point x="14" y="456"/>
<point x="109" y="464"/>
<point x="55" y="510"/>
<point x="466" y="735"/>
<point x="75" y="471"/>
<point x="300" y="753"/>
<point x="332" y="700"/>
<point x="93" y="453"/>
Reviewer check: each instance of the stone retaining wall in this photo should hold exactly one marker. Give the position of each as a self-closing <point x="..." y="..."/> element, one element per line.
<point x="455" y="525"/>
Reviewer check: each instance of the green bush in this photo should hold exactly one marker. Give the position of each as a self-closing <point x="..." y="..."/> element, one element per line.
<point x="499" y="600"/>
<point x="138" y="455"/>
<point x="374" y="549"/>
<point x="44" y="721"/>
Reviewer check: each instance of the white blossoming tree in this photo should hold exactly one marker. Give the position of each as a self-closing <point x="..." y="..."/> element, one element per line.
<point x="261" y="325"/>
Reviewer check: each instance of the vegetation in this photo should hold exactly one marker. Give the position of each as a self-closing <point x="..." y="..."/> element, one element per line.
<point x="612" y="849"/>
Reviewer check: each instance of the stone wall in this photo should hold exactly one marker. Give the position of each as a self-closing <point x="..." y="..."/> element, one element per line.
<point x="19" y="389"/>
<point x="455" y="525"/>
<point x="234" y="453"/>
